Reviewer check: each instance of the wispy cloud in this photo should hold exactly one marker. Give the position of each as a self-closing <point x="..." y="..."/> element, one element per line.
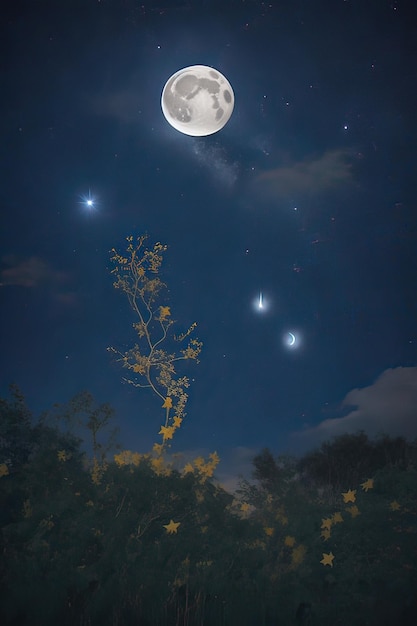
<point x="30" y="272"/>
<point x="123" y="105"/>
<point x="388" y="406"/>
<point x="214" y="159"/>
<point x="309" y="177"/>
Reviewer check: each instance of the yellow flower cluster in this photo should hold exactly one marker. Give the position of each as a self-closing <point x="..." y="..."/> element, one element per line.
<point x="204" y="469"/>
<point x="128" y="458"/>
<point x="337" y="518"/>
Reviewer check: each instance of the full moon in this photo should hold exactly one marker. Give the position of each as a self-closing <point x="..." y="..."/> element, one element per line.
<point x="197" y="100"/>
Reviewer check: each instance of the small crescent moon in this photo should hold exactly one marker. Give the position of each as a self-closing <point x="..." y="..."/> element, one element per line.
<point x="292" y="339"/>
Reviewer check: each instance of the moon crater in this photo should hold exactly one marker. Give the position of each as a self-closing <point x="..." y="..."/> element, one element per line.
<point x="197" y="101"/>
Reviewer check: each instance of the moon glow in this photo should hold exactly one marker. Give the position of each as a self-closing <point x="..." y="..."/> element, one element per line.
<point x="197" y="100"/>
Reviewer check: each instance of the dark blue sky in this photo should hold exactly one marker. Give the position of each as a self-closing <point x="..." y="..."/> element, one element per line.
<point x="324" y="122"/>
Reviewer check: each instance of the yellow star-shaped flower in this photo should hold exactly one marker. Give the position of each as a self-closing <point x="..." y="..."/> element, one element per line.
<point x="188" y="469"/>
<point x="269" y="531"/>
<point x="325" y="534"/>
<point x="289" y="541"/>
<point x="245" y="507"/>
<point x="395" y="506"/>
<point x="207" y="470"/>
<point x="368" y="484"/>
<point x="214" y="457"/>
<point x="167" y="432"/>
<point x="167" y="403"/>
<point x="4" y="470"/>
<point x="62" y="456"/>
<point x="172" y="527"/>
<point x="337" y="518"/>
<point x="327" y="559"/>
<point x="327" y="523"/>
<point x="177" y="421"/>
<point x="157" y="464"/>
<point x="349" y="496"/>
<point x="164" y="312"/>
<point x="353" y="510"/>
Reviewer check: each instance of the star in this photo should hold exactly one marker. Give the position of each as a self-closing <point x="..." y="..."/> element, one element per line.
<point x="394" y="505"/>
<point x="88" y="201"/>
<point x="260" y="304"/>
<point x="172" y="527"/>
<point x="260" y="301"/>
<point x="327" y="559"/>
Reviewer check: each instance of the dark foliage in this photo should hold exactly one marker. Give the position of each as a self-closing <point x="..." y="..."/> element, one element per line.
<point x="91" y="548"/>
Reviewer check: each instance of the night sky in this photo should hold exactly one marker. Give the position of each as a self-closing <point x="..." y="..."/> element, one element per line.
<point x="308" y="195"/>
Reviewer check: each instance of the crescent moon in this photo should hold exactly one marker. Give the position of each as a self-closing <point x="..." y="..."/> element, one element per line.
<point x="292" y="339"/>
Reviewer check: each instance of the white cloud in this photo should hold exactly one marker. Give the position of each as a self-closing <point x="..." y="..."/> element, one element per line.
<point x="307" y="177"/>
<point x="388" y="406"/>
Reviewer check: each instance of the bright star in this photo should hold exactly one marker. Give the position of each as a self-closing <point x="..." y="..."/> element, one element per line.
<point x="260" y="304"/>
<point x="88" y="201"/>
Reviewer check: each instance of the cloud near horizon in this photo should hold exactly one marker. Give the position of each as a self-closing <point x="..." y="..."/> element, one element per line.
<point x="388" y="406"/>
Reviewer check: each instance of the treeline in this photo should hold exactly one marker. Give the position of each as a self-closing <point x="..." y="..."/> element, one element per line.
<point x="108" y="537"/>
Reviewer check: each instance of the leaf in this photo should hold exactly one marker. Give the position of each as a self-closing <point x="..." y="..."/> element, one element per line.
<point x="172" y="527"/>
<point x="327" y="559"/>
